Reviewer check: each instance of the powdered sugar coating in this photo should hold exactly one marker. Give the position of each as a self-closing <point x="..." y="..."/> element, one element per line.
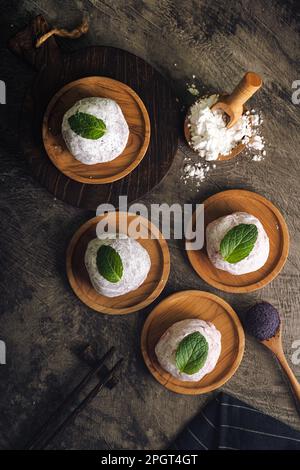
<point x="216" y="231"/>
<point x="166" y="347"/>
<point x="107" y="147"/>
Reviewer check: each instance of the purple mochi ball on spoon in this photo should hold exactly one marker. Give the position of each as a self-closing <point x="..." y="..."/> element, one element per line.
<point x="262" y="321"/>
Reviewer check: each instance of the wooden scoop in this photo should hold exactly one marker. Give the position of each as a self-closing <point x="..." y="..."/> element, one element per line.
<point x="233" y="105"/>
<point x="275" y="345"/>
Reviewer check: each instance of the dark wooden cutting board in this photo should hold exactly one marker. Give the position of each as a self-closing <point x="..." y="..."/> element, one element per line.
<point x="55" y="69"/>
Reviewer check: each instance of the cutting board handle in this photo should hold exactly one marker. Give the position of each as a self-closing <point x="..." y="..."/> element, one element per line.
<point x="23" y="45"/>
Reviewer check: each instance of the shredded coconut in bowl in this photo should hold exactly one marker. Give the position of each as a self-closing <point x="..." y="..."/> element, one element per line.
<point x="107" y="147"/>
<point x="209" y="135"/>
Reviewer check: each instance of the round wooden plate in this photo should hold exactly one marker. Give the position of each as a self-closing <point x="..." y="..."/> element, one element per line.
<point x="239" y="200"/>
<point x="153" y="242"/>
<point x="135" y="114"/>
<point x="205" y="306"/>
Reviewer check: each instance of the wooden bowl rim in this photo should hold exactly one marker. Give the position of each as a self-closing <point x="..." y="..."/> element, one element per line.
<point x="179" y="387"/>
<point x="282" y="259"/>
<point x="109" y="179"/>
<point x="133" y="308"/>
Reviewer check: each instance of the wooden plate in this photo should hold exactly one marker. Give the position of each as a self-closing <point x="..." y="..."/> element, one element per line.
<point x="238" y="200"/>
<point x="135" y="114"/>
<point x="205" y="306"/>
<point x="156" y="280"/>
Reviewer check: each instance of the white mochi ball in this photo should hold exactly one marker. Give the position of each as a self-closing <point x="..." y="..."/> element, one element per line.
<point x="136" y="265"/>
<point x="216" y="231"/>
<point x="107" y="147"/>
<point x="166" y="347"/>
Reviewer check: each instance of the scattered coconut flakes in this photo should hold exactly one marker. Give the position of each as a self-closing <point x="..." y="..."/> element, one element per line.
<point x="256" y="143"/>
<point x="192" y="88"/>
<point x="194" y="171"/>
<point x="257" y="158"/>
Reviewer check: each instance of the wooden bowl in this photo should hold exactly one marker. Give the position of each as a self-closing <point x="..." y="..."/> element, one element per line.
<point x="239" y="200"/>
<point x="156" y="247"/>
<point x="135" y="114"/>
<point x="205" y="306"/>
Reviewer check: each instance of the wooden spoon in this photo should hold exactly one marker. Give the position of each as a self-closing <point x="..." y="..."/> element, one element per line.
<point x="233" y="105"/>
<point x="275" y="345"/>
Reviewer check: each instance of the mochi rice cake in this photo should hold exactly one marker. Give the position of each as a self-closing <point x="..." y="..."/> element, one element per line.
<point x="116" y="265"/>
<point x="189" y="349"/>
<point x="95" y="130"/>
<point x="237" y="243"/>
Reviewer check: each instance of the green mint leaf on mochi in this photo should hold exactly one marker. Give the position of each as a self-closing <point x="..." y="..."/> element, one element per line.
<point x="238" y="242"/>
<point x="109" y="264"/>
<point x="191" y="353"/>
<point x="87" y="126"/>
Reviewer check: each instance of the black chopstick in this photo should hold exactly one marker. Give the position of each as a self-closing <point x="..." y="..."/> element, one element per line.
<point x="83" y="403"/>
<point x="41" y="431"/>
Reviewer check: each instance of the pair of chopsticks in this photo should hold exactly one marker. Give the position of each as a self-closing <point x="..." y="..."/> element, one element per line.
<point x="49" y="430"/>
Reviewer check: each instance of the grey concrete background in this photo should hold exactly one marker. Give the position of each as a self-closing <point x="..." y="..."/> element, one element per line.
<point x="42" y="322"/>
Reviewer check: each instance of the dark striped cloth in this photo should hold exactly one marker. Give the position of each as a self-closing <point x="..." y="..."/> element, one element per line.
<point x="228" y="423"/>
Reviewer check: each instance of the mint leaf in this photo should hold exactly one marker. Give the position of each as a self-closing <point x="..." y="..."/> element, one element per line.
<point x="191" y="353"/>
<point x="238" y="242"/>
<point x="109" y="264"/>
<point x="87" y="125"/>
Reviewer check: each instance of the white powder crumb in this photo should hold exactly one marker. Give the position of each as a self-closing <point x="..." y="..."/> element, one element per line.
<point x="194" y="171"/>
<point x="193" y="90"/>
<point x="257" y="158"/>
<point x="257" y="143"/>
<point x="255" y="120"/>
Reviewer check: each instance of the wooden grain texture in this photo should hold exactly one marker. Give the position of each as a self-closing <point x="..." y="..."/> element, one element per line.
<point x="153" y="242"/>
<point x="59" y="69"/>
<point x="136" y="116"/>
<point x="203" y="306"/>
<point x="225" y="203"/>
<point x="41" y="320"/>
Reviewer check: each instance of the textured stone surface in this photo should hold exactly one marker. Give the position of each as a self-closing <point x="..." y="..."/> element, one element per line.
<point x="41" y="321"/>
